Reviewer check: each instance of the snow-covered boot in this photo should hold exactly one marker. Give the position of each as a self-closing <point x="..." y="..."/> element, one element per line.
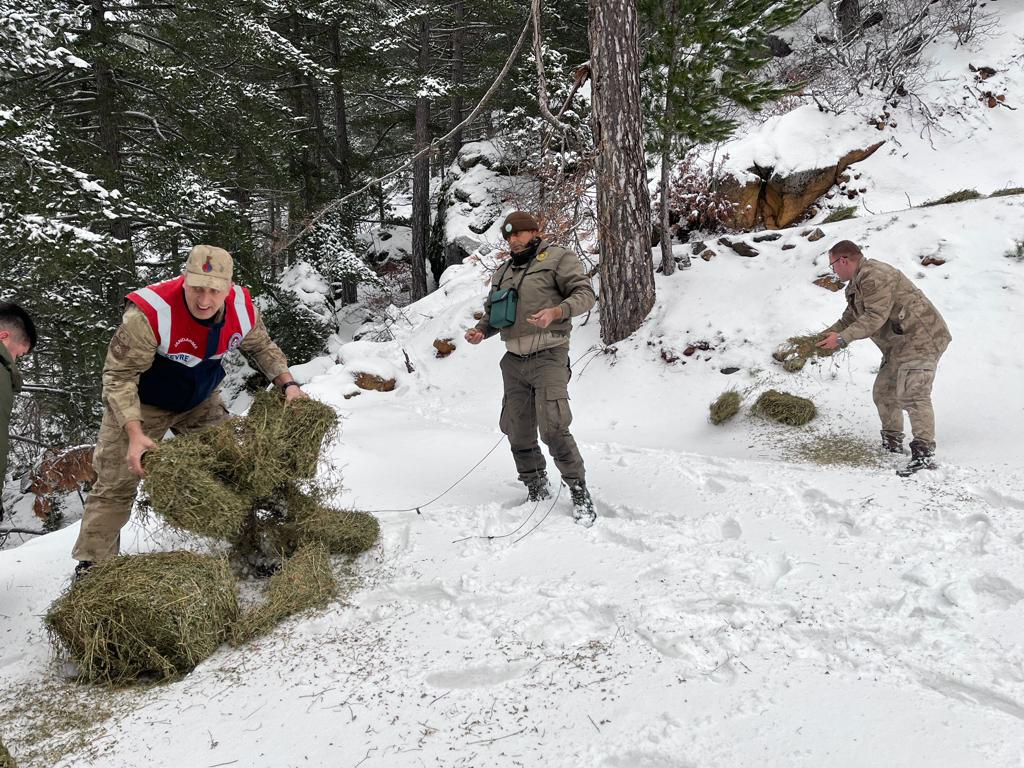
<point x="537" y="487"/>
<point x="582" y="505"/>
<point x="922" y="457"/>
<point x="892" y="442"/>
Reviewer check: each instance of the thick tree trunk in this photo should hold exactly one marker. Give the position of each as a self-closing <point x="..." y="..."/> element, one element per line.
<point x="623" y="203"/>
<point x="341" y="147"/>
<point x="421" y="177"/>
<point x="458" y="74"/>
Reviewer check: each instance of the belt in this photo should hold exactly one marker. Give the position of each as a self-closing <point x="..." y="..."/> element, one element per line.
<point x="531" y="355"/>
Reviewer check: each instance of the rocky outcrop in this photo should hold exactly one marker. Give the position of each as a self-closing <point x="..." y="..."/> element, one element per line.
<point x="777" y="201"/>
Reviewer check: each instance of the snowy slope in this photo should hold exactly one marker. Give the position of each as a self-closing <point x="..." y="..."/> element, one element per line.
<point x="731" y="607"/>
<point x="735" y="604"/>
<point x="965" y="145"/>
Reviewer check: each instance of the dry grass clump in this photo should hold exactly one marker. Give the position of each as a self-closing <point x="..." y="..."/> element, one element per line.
<point x="312" y="521"/>
<point x="185" y="483"/>
<point x="6" y="761"/>
<point x="785" y="408"/>
<point x="221" y="481"/>
<point x="955" y="197"/>
<point x="841" y="214"/>
<point x="282" y="442"/>
<point x="797" y="350"/>
<point x="304" y="581"/>
<point x="725" y="406"/>
<point x="155" y="615"/>
<point x="1007" y="191"/>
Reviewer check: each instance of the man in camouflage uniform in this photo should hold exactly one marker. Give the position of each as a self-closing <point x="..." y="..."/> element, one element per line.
<point x="148" y="390"/>
<point x="883" y="305"/>
<point x="17" y="338"/>
<point x="552" y="288"/>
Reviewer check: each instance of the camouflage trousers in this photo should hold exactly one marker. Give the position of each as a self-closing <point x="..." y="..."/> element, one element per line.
<point x="110" y="502"/>
<point x="905" y="384"/>
<point x="537" y="398"/>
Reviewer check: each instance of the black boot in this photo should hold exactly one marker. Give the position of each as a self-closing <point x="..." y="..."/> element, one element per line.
<point x="582" y="505"/>
<point x="537" y="487"/>
<point x="82" y="570"/>
<point x="921" y="457"/>
<point x="892" y="442"/>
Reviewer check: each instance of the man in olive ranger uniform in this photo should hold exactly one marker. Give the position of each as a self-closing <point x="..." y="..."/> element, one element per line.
<point x="17" y="338"/>
<point x="551" y="288"/>
<point x="884" y="305"/>
<point x="161" y="373"/>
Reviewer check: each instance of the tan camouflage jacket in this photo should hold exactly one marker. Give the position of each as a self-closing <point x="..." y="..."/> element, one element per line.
<point x="133" y="348"/>
<point x="553" y="278"/>
<point x="883" y="305"/>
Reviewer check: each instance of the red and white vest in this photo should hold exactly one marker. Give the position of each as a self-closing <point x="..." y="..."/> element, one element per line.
<point x="187" y="367"/>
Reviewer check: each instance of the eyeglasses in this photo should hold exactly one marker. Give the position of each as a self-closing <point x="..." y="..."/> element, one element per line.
<point x="832" y="263"/>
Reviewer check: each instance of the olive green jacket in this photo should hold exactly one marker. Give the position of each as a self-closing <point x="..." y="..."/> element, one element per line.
<point x="10" y="385"/>
<point x="553" y="278"/>
<point x="883" y="305"/>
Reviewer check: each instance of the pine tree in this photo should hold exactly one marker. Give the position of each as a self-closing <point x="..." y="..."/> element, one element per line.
<point x="703" y="56"/>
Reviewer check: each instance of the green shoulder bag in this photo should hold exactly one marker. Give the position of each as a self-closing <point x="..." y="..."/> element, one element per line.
<point x="505" y="301"/>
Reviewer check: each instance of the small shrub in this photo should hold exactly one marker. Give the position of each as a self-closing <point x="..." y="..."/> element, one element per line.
<point x="955" y="197"/>
<point x="841" y="214"/>
<point x="1017" y="252"/>
<point x="696" y="192"/>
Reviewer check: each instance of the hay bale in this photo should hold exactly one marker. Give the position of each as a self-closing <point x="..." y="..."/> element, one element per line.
<point x="6" y="761"/>
<point x="797" y="350"/>
<point x="785" y="408"/>
<point x="185" y="484"/>
<point x="155" y="615"/>
<point x="310" y="521"/>
<point x="304" y="581"/>
<point x="282" y="442"/>
<point x="726" y="406"/>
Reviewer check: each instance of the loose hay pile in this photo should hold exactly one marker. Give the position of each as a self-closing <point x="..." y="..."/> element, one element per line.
<point x="312" y="522"/>
<point x="155" y="615"/>
<point x="239" y="481"/>
<point x="725" y="407"/>
<point x="797" y="350"/>
<point x="186" y="482"/>
<point x="250" y="482"/>
<point x="305" y="581"/>
<point x="785" y="408"/>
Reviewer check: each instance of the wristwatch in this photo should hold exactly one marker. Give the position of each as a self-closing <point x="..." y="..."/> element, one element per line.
<point x="840" y="341"/>
<point x="287" y="384"/>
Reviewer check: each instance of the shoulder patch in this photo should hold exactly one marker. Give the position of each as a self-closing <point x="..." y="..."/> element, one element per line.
<point x="542" y="256"/>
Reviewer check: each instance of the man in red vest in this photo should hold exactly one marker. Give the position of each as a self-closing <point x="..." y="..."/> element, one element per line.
<point x="161" y="373"/>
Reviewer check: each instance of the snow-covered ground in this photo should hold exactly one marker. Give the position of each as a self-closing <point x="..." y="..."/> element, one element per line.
<point x="734" y="605"/>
